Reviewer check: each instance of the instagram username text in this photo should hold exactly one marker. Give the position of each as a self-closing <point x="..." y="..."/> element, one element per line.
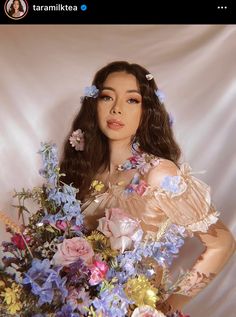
<point x="57" y="7"/>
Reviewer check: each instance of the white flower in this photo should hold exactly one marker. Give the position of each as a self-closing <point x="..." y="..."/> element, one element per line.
<point x="149" y="77"/>
<point x="147" y="311"/>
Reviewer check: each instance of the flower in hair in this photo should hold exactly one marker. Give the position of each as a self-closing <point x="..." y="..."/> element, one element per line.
<point x="149" y="77"/>
<point x="91" y="91"/>
<point x="77" y="140"/>
<point x="160" y="95"/>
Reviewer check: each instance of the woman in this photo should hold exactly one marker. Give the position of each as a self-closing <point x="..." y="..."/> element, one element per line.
<point x="122" y="154"/>
<point x="16" y="10"/>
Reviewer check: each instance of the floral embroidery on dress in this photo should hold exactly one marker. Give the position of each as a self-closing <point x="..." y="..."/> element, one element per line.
<point x="146" y="161"/>
<point x="171" y="184"/>
<point x="142" y="161"/>
<point x="136" y="185"/>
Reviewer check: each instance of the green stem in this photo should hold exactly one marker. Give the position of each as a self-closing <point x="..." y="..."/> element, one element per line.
<point x="26" y="244"/>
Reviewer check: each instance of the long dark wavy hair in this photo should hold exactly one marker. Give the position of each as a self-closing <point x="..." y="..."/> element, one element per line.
<point x="12" y="10"/>
<point x="154" y="133"/>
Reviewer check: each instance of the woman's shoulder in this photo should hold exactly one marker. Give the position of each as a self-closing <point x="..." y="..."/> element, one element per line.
<point x="164" y="168"/>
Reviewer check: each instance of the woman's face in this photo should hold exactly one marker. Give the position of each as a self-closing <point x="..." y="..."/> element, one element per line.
<point x="119" y="106"/>
<point x="16" y="5"/>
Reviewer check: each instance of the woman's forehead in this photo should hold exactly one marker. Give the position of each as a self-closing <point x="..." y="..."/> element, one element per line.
<point x="121" y="79"/>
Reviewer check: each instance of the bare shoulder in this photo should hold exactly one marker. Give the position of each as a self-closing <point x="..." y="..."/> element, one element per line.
<point x="164" y="168"/>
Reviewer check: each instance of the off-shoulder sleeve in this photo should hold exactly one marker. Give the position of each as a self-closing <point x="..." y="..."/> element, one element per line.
<point x="185" y="199"/>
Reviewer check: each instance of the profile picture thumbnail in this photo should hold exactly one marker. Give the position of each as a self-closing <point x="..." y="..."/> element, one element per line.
<point x="16" y="9"/>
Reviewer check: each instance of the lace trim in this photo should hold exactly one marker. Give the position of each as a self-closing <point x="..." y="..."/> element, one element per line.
<point x="192" y="282"/>
<point x="205" y="223"/>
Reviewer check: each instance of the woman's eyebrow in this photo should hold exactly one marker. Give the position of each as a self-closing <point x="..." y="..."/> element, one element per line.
<point x="108" y="88"/>
<point x="134" y="90"/>
<point x="129" y="91"/>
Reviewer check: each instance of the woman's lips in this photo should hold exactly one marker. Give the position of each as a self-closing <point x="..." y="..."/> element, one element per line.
<point x="115" y="124"/>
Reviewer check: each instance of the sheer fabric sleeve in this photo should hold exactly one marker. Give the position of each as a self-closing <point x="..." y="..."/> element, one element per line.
<point x="187" y="202"/>
<point x="219" y="246"/>
<point x="185" y="199"/>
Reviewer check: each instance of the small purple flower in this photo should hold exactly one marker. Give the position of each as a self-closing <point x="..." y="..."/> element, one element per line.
<point x="91" y="91"/>
<point x="79" y="300"/>
<point x="146" y="161"/>
<point x="66" y="311"/>
<point x="78" y="272"/>
<point x="160" y="95"/>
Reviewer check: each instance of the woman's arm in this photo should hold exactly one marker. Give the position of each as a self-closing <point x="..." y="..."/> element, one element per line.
<point x="192" y="209"/>
<point x="219" y="247"/>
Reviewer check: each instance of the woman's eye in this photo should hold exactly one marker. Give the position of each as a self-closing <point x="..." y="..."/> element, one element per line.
<point x="106" y="98"/>
<point x="133" y="100"/>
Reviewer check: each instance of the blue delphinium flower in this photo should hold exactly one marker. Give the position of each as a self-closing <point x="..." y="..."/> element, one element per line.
<point x="78" y="272"/>
<point x="62" y="196"/>
<point x="45" y="281"/>
<point x="49" y="156"/>
<point x="112" y="302"/>
<point x="163" y="252"/>
<point x="91" y="91"/>
<point x="171" y="184"/>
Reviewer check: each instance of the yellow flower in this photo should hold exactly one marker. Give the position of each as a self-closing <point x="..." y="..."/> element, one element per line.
<point x="2" y="284"/>
<point x="101" y="244"/>
<point x="97" y="185"/>
<point x="14" y="308"/>
<point x="11" y="297"/>
<point x="141" y="291"/>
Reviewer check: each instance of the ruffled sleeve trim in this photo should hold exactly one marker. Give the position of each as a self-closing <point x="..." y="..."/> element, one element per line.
<point x="205" y="223"/>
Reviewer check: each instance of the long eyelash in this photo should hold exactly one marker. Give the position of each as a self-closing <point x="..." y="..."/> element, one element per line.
<point x="135" y="100"/>
<point x="104" y="96"/>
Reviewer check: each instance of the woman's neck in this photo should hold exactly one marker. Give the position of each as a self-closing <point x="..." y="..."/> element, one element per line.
<point x="120" y="150"/>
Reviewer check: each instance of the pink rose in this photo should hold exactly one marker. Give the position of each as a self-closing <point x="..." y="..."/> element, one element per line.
<point x="70" y="250"/>
<point x="122" y="229"/>
<point x="98" y="272"/>
<point x="147" y="311"/>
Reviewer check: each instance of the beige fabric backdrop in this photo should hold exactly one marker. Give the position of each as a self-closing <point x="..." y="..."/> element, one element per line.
<point x="44" y="69"/>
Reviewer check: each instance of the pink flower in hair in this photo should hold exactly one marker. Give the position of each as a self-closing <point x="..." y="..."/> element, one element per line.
<point x="77" y="140"/>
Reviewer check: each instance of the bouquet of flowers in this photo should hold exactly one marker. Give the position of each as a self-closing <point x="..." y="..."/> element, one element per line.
<point x="55" y="267"/>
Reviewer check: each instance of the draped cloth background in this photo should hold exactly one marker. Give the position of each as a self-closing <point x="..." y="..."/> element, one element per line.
<point x="44" y="69"/>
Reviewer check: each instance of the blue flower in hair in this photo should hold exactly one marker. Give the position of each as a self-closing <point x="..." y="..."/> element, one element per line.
<point x="171" y="119"/>
<point x="91" y="91"/>
<point x="160" y="95"/>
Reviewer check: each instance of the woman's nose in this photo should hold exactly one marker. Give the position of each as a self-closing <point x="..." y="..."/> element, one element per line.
<point x="116" y="109"/>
